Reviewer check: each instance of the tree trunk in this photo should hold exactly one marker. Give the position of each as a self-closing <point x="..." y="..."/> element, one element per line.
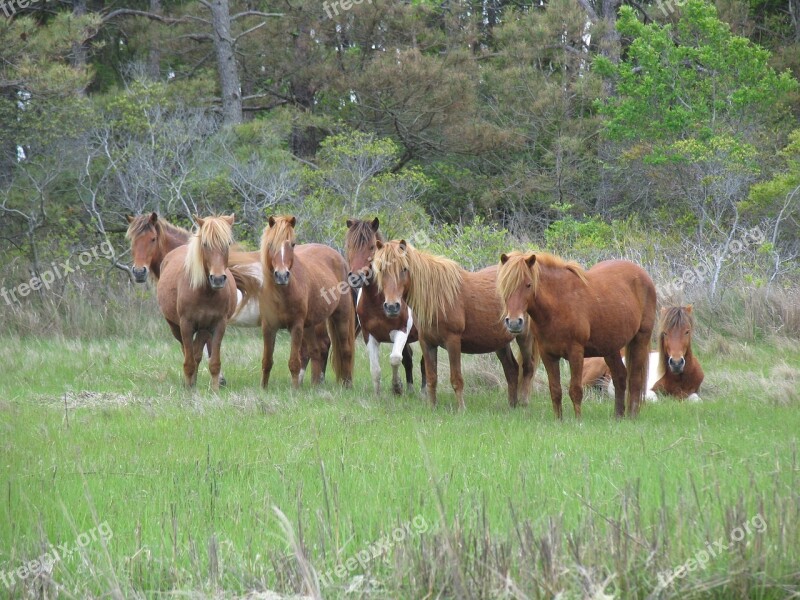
<point x="154" y="55"/>
<point x="609" y="46"/>
<point x="79" y="54"/>
<point x="226" y="62"/>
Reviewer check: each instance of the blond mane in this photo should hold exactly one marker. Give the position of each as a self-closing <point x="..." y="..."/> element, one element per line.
<point x="675" y="317"/>
<point x="514" y="271"/>
<point x="434" y="281"/>
<point x="214" y="234"/>
<point x="278" y="230"/>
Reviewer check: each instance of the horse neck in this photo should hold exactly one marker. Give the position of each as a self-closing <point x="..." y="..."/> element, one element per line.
<point x="170" y="239"/>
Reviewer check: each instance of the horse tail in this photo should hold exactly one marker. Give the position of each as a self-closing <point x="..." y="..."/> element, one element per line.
<point x="643" y="368"/>
<point x="342" y="331"/>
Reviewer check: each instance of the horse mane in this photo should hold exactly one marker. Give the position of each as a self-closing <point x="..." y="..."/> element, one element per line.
<point x="215" y="234"/>
<point x="435" y="282"/>
<point x="674" y="317"/>
<point x="141" y="224"/>
<point x="513" y="272"/>
<point x="360" y="235"/>
<point x="275" y="235"/>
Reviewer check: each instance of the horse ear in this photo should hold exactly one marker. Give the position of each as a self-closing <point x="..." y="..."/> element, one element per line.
<point x="198" y="220"/>
<point x="375" y="224"/>
<point x="350" y="223"/>
<point x="689" y="309"/>
<point x="153" y="217"/>
<point x="402" y="245"/>
<point x="271" y="221"/>
<point x="292" y="221"/>
<point x="378" y="244"/>
<point x="530" y="260"/>
<point x="229" y="219"/>
<point x="503" y="258"/>
<point x="130" y="218"/>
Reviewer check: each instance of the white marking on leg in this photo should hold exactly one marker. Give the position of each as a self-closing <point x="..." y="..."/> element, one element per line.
<point x="693" y="398"/>
<point x="373" y="346"/>
<point x="301" y="375"/>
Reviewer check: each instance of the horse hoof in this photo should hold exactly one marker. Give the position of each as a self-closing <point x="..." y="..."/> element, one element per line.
<point x="397" y="388"/>
<point x="222" y="381"/>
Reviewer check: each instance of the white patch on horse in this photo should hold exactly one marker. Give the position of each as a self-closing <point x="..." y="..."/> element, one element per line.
<point x="373" y="347"/>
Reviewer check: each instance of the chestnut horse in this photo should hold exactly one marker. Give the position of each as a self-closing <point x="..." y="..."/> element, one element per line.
<point x="674" y="369"/>
<point x="197" y="294"/>
<point x="359" y="245"/>
<point x="455" y="309"/>
<point x="153" y="237"/>
<point x="295" y="296"/>
<point x="681" y="373"/>
<point x="577" y="313"/>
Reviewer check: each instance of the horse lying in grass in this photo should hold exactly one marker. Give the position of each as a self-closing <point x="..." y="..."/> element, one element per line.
<point x="153" y="238"/>
<point x="674" y="369"/>
<point x="292" y="297"/>
<point x="196" y="294"/>
<point x="455" y="309"/>
<point x="576" y="313"/>
<point x="400" y="331"/>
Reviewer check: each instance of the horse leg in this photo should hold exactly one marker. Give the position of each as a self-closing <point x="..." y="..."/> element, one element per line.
<point x="399" y="339"/>
<point x="373" y="347"/>
<point x="222" y="380"/>
<point x="176" y="331"/>
<point x="575" y="359"/>
<point x="456" y="379"/>
<point x="343" y="330"/>
<point x="423" y="386"/>
<point x="269" y="351"/>
<point x="215" y="360"/>
<point x="189" y="362"/>
<point x="430" y="358"/>
<point x="295" y="361"/>
<point x="618" y="379"/>
<point x="554" y="381"/>
<point x="637" y="354"/>
<point x="408" y="366"/>
<point x="511" y="371"/>
<point x="312" y="350"/>
<point x="529" y="355"/>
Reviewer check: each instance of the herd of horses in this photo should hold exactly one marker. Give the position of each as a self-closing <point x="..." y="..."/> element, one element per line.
<point x="600" y="320"/>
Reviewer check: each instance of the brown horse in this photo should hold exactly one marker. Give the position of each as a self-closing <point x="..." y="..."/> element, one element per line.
<point x="153" y="237"/>
<point x="151" y="240"/>
<point x="681" y="373"/>
<point x="296" y="296"/>
<point x="596" y="373"/>
<point x="577" y="313"/>
<point x="197" y="294"/>
<point x="359" y="245"/>
<point x="454" y="309"/>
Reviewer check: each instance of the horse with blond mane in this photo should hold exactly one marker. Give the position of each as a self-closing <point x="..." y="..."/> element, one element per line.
<point x="197" y="295"/>
<point x="294" y="297"/>
<point x="455" y="309"/>
<point x="576" y="313"/>
<point x="153" y="238"/>
<point x="674" y="369"/>
<point x="400" y="331"/>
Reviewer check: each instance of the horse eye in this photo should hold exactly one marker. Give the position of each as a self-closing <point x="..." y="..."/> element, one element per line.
<point x="528" y="285"/>
<point x="687" y="332"/>
<point x="153" y="241"/>
<point x="294" y="244"/>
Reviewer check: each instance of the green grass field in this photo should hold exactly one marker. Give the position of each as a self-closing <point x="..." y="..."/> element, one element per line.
<point x="331" y="493"/>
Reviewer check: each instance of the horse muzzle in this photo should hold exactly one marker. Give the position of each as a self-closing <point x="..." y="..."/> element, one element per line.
<point x="676" y="366"/>
<point x="281" y="277"/>
<point x="391" y="309"/>
<point x="139" y="275"/>
<point x="217" y="282"/>
<point x="515" y="326"/>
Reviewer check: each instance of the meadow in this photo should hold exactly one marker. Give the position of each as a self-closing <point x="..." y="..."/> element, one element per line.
<point x="153" y="491"/>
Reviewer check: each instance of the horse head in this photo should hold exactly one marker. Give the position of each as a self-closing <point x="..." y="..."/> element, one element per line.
<point x="676" y="328"/>
<point x="207" y="256"/>
<point x="515" y="285"/>
<point x="390" y="266"/>
<point x="143" y="232"/>
<point x="360" y="245"/>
